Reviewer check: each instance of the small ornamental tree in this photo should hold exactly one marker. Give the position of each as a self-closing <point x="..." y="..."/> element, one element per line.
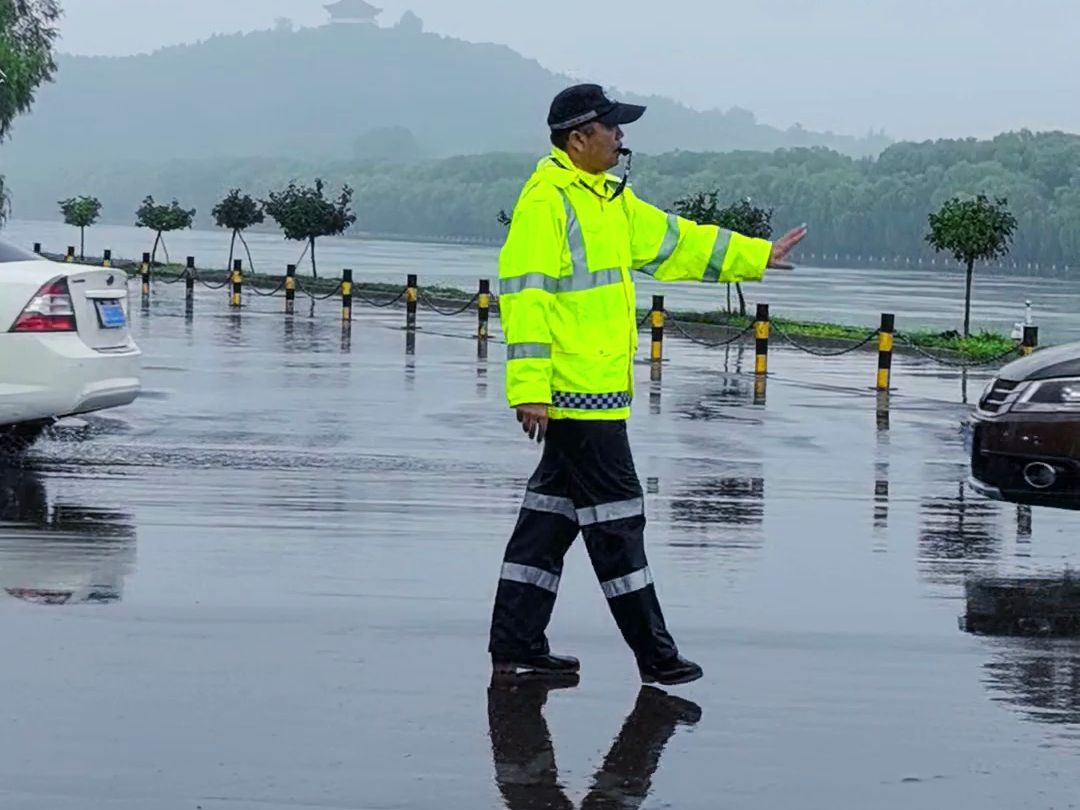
<point x="162" y="219"/>
<point x="81" y="212"/>
<point x="974" y="229"/>
<point x="741" y="217"/>
<point x="304" y="214"/>
<point x="238" y="213"/>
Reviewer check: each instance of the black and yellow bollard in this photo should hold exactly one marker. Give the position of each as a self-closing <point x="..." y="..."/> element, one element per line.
<point x="37" y="248"/>
<point x="290" y="288"/>
<point x="237" y="283"/>
<point x="346" y="295"/>
<point x="106" y="259"/>
<point x="760" y="389"/>
<point x="346" y="310"/>
<point x="70" y="257"/>
<point x="189" y="282"/>
<point x="885" y="350"/>
<point x="656" y="350"/>
<point x="761" y="340"/>
<point x="483" y="309"/>
<point x="1030" y="340"/>
<point x="881" y="503"/>
<point x="881" y="411"/>
<point x="144" y="270"/>
<point x="411" y="296"/>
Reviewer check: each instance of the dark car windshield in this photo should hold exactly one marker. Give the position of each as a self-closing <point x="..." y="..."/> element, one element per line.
<point x="10" y="253"/>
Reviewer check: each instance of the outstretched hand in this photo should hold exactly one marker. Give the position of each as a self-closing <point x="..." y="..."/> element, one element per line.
<point x="783" y="246"/>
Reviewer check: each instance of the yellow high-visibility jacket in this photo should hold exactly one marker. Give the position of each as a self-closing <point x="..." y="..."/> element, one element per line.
<point x="566" y="295"/>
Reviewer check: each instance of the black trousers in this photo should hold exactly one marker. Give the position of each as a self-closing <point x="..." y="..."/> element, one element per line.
<point x="585" y="482"/>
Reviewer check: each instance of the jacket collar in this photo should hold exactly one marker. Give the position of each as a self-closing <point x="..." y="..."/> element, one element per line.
<point x="558" y="167"/>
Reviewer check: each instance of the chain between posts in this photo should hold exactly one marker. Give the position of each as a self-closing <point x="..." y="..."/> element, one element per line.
<point x="821" y="353"/>
<point x="956" y="363"/>
<point x="448" y="313"/>
<point x="711" y="344"/>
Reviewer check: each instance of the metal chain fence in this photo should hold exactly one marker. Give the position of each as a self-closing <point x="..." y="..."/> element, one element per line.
<point x="821" y="352"/>
<point x="710" y="344"/>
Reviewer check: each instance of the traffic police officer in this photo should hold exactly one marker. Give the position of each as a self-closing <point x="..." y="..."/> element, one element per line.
<point x="568" y="311"/>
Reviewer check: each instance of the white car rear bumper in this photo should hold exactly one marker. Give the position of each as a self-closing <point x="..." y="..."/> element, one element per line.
<point x="54" y="375"/>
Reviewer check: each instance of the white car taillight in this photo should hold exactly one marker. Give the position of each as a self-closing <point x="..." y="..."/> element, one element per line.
<point x="50" y="310"/>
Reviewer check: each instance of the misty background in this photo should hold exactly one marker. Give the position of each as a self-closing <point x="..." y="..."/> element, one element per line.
<point x="859" y="118"/>
<point x="916" y="68"/>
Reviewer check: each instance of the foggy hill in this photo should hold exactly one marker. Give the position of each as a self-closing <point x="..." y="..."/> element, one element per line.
<point x="340" y="92"/>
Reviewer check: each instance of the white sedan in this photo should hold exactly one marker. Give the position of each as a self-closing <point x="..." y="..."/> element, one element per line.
<point x="65" y="345"/>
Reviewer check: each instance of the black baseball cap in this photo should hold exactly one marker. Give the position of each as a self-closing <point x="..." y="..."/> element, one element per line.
<point x="583" y="103"/>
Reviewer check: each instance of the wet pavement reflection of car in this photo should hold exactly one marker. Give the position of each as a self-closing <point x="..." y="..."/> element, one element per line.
<point x="1026" y="431"/>
<point x="1038" y="678"/>
<point x="55" y="552"/>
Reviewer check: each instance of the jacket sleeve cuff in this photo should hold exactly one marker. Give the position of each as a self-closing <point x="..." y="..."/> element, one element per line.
<point x="519" y="393"/>
<point x="737" y="258"/>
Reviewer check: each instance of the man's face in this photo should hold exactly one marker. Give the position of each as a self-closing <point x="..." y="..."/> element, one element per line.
<point x="599" y="147"/>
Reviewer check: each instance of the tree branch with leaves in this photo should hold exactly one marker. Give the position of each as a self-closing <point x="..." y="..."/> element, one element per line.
<point x="28" y="34"/>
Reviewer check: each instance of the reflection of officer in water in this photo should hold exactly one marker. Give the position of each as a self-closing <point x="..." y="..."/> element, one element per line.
<point x="59" y="553"/>
<point x="525" y="767"/>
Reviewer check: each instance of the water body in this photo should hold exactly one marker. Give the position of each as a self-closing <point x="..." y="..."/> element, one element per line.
<point x="919" y="298"/>
<point x="268" y="582"/>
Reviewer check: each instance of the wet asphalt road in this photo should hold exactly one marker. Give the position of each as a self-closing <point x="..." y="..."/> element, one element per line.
<point x="267" y="584"/>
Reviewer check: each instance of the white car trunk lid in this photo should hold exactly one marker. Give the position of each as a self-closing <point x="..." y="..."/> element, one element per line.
<point x="100" y="300"/>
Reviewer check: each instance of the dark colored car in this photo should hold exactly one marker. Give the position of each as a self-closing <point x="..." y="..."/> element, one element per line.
<point x="1026" y="431"/>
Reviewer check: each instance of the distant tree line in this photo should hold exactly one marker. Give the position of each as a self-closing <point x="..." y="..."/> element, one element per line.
<point x="853" y="206"/>
<point x="971" y="229"/>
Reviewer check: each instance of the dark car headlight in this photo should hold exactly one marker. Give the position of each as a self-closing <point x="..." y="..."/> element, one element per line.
<point x="1062" y="394"/>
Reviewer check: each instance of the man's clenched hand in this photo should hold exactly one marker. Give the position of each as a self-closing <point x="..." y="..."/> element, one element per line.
<point x="534" y="420"/>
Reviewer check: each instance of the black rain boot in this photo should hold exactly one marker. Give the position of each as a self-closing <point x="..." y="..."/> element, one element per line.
<point x="535" y="665"/>
<point x="670" y="671"/>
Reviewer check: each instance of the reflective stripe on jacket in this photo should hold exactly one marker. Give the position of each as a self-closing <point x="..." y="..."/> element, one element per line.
<point x="566" y="295"/>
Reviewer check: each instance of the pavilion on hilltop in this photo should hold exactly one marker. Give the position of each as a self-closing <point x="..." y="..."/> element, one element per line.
<point x="352" y="12"/>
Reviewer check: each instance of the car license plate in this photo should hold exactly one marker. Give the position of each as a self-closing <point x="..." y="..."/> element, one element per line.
<point x="111" y="314"/>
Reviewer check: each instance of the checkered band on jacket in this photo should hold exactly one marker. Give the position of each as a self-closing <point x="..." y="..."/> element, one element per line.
<point x="590" y="402"/>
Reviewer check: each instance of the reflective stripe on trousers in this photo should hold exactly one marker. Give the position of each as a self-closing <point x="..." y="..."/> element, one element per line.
<point x="586" y="516"/>
<point x="527" y="575"/>
<point x="585" y="484"/>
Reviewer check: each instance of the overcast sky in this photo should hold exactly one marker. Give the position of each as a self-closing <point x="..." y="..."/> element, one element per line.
<point x="917" y="68"/>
